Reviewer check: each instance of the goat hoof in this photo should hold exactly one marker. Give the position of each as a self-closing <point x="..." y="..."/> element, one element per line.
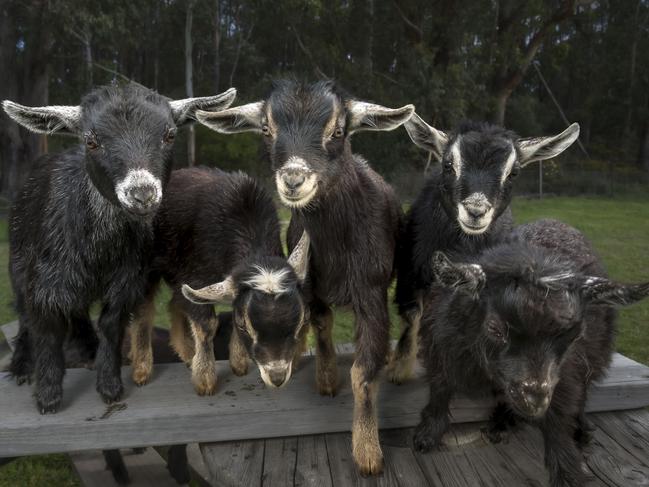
<point x="206" y="390"/>
<point x="399" y="371"/>
<point x="239" y="369"/>
<point x="48" y="405"/>
<point x="423" y="440"/>
<point x="327" y="389"/>
<point x="111" y="391"/>
<point x="369" y="464"/>
<point x="141" y="376"/>
<point x="23" y="379"/>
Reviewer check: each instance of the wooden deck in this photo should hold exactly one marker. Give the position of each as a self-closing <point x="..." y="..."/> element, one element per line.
<point x="619" y="457"/>
<point x="293" y="436"/>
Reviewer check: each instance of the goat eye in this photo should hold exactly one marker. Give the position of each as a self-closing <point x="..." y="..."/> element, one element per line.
<point x="338" y="132"/>
<point x="448" y="165"/>
<point x="91" y="140"/>
<point x="513" y="174"/>
<point x="497" y="331"/>
<point x="265" y="129"/>
<point x="170" y="135"/>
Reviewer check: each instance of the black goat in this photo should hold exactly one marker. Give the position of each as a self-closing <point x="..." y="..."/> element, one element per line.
<point x="464" y="207"/>
<point x="81" y="229"/>
<point x="353" y="220"/>
<point x="223" y="227"/>
<point x="532" y="319"/>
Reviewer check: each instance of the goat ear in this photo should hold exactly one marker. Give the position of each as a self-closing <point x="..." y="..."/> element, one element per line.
<point x="599" y="290"/>
<point x="541" y="148"/>
<point x="367" y="116"/>
<point x="184" y="111"/>
<point x="45" y="120"/>
<point x="299" y="258"/>
<point x="426" y="137"/>
<point x="468" y="278"/>
<point x="244" y="118"/>
<point x="214" y="293"/>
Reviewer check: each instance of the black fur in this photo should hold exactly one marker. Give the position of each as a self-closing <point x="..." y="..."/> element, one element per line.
<point x="431" y="223"/>
<point x="214" y="224"/>
<point x="73" y="243"/>
<point x="537" y="334"/>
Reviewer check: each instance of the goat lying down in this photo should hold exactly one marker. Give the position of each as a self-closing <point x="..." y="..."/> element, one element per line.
<point x="532" y="318"/>
<point x="217" y="239"/>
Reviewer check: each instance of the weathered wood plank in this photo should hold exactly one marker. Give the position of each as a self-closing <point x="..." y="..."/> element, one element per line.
<point x="280" y="455"/>
<point x="613" y="464"/>
<point x="312" y="467"/>
<point x="234" y="463"/>
<point x="632" y="437"/>
<point x="10" y="330"/>
<point x="400" y="466"/>
<point x="167" y="411"/>
<point x="145" y="469"/>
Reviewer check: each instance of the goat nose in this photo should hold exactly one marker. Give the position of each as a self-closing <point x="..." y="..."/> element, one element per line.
<point x="143" y="194"/>
<point x="277" y="376"/>
<point x="293" y="180"/>
<point x="476" y="211"/>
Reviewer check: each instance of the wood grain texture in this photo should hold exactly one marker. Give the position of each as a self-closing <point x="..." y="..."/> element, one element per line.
<point x="312" y="467"/>
<point x="167" y="411"/>
<point x="280" y="455"/>
<point x="234" y="463"/>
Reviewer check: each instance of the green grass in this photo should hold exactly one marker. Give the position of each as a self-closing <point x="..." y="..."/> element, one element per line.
<point x="619" y="229"/>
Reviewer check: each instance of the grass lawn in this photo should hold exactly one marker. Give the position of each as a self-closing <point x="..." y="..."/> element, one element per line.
<point x="619" y="229"/>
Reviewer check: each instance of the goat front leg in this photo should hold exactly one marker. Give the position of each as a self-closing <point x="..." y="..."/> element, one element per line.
<point x="563" y="458"/>
<point x="435" y="418"/>
<point x="203" y="322"/>
<point x="47" y="344"/>
<point x="112" y="322"/>
<point x="402" y="364"/>
<point x="238" y="355"/>
<point x="322" y="320"/>
<point x="21" y="367"/>
<point x="372" y="345"/>
<point x="141" y="352"/>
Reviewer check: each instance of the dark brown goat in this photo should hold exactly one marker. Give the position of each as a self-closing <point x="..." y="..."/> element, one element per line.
<point x="352" y="217"/>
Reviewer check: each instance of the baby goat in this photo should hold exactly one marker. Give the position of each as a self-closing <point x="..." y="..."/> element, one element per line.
<point x="464" y="207"/>
<point x="81" y="228"/>
<point x="532" y="319"/>
<point x="352" y="217"/>
<point x="220" y="230"/>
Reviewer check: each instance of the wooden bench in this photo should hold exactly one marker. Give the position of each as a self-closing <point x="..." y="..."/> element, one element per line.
<point x="251" y="423"/>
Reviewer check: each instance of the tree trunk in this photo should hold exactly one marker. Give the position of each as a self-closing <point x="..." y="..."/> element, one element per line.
<point x="189" y="80"/>
<point x="217" y="45"/>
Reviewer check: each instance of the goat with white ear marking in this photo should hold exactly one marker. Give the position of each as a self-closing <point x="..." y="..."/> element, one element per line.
<point x="217" y="239"/>
<point x="463" y="207"/>
<point x="81" y="228"/>
<point x="531" y="320"/>
<point x="352" y="217"/>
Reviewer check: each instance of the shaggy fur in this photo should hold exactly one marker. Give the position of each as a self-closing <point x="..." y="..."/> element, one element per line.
<point x="352" y="217"/>
<point x="534" y="322"/>
<point x="74" y="241"/>
<point x="217" y="227"/>
<point x="463" y="207"/>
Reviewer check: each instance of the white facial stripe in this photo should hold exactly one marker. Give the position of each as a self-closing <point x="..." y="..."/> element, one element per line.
<point x="456" y="158"/>
<point x="295" y="163"/>
<point x="280" y="365"/>
<point x="136" y="178"/>
<point x="507" y="167"/>
<point x="269" y="281"/>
